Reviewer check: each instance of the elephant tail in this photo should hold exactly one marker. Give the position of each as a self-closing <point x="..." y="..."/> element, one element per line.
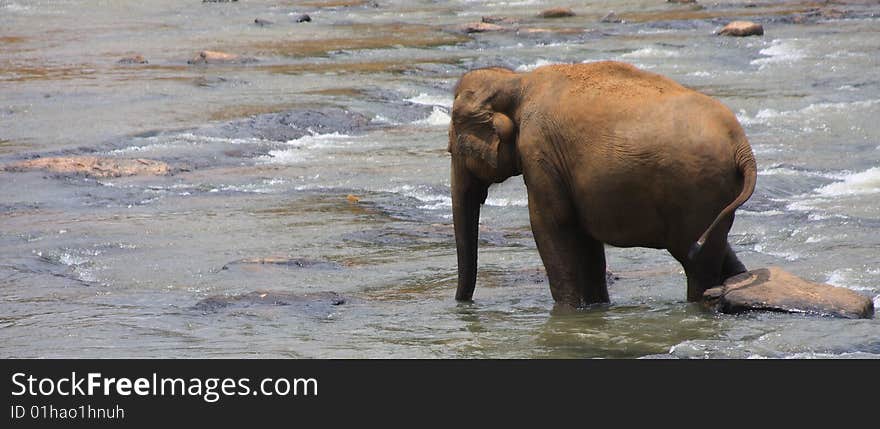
<point x="747" y="166"/>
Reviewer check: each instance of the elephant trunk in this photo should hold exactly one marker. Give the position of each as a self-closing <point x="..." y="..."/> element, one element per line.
<point x="468" y="194"/>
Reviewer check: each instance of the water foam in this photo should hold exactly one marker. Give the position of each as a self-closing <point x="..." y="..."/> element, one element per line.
<point x="16" y="7"/>
<point x="300" y="149"/>
<point x="863" y="183"/>
<point x="788" y="256"/>
<point x="181" y="140"/>
<point x="431" y="100"/>
<point x="763" y="213"/>
<point x="780" y="51"/>
<point x="423" y="194"/>
<point x="379" y="119"/>
<point x="442" y="201"/>
<point x="540" y="63"/>
<point x="700" y="73"/>
<point x="810" y="113"/>
<point x="438" y="118"/>
<point x="846" y="278"/>
<point x="779" y="170"/>
<point x="650" y="52"/>
<point x="507" y="202"/>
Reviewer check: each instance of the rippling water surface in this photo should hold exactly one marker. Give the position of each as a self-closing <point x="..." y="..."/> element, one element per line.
<point x="321" y="166"/>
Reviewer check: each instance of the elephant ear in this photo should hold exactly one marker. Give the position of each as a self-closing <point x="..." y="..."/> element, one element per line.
<point x="481" y="136"/>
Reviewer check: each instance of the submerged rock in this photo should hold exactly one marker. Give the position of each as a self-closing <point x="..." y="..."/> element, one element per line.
<point x="552" y="31"/>
<point x="263" y="22"/>
<point x="217" y="81"/>
<point x="313" y="302"/>
<point x="499" y="20"/>
<point x="284" y="262"/>
<point x="556" y="12"/>
<point x="814" y="15"/>
<point x="611" y="17"/>
<point x="293" y="124"/>
<point x="538" y="275"/>
<point x="772" y="289"/>
<point x="741" y="29"/>
<point x="94" y="166"/>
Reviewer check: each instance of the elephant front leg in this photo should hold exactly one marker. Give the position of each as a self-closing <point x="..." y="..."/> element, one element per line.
<point x="575" y="261"/>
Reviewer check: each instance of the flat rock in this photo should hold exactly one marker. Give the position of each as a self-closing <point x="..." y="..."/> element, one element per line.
<point x="217" y="57"/>
<point x="480" y="27"/>
<point x="556" y="12"/>
<point x="94" y="166"/>
<point x="741" y="29"/>
<point x="772" y="289"/>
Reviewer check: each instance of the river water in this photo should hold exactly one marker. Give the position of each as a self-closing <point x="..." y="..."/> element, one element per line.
<point x="327" y="153"/>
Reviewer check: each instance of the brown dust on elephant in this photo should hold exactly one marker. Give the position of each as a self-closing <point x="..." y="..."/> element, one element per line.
<point x="610" y="154"/>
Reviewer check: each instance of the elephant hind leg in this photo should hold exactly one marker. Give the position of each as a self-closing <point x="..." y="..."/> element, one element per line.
<point x="715" y="262"/>
<point x="701" y="277"/>
<point x="732" y="265"/>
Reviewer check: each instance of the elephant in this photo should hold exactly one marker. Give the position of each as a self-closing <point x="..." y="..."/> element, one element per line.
<point x="610" y="154"/>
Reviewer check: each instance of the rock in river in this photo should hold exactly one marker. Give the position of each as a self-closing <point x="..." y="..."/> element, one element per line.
<point x="741" y="29"/>
<point x="772" y="289"/>
<point x="217" y="57"/>
<point x="556" y="12"/>
<point x="134" y="59"/>
<point x="94" y="166"/>
<point x="480" y="27"/>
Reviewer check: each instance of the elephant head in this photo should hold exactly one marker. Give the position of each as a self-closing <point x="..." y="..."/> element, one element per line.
<point x="482" y="141"/>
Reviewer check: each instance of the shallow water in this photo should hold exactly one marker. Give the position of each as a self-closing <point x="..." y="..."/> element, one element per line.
<point x="114" y="267"/>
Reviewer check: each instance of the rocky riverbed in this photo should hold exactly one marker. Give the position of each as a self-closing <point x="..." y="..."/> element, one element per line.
<point x="168" y="166"/>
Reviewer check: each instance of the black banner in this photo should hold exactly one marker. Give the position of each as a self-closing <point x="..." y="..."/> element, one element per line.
<point x="51" y="393"/>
